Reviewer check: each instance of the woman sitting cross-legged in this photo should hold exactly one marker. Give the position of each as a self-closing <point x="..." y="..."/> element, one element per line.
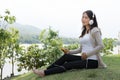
<point x="90" y="46"/>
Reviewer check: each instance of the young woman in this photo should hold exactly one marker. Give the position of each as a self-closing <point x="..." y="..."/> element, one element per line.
<point x="91" y="44"/>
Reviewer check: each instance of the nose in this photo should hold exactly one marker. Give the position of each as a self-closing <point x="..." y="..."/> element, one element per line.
<point x="83" y="19"/>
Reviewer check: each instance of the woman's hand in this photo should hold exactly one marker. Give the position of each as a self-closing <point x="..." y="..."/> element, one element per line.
<point x="84" y="56"/>
<point x="66" y="51"/>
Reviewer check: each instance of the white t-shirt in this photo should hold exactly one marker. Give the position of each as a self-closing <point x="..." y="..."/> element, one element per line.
<point x="87" y="45"/>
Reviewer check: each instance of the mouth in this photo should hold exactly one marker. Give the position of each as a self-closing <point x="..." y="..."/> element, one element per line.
<point x="83" y="22"/>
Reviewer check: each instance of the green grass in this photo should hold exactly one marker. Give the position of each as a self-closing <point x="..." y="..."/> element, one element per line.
<point x="111" y="73"/>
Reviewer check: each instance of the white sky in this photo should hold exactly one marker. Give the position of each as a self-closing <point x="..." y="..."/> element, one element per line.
<point x="65" y="15"/>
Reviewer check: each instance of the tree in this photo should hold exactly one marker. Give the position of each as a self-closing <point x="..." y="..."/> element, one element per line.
<point x="32" y="57"/>
<point x="36" y="57"/>
<point x="52" y="44"/>
<point x="13" y="47"/>
<point x="72" y="46"/>
<point x="108" y="45"/>
<point x="4" y="37"/>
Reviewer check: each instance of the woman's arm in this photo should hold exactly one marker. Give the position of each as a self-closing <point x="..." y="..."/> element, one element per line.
<point x="75" y="51"/>
<point x="99" y="43"/>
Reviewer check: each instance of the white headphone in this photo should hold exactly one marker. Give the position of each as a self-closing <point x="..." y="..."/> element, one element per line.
<point x="91" y="21"/>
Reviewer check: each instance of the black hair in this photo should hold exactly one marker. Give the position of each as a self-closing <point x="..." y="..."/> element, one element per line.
<point x="92" y="16"/>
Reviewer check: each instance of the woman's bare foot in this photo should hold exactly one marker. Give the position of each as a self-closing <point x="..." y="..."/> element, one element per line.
<point x="39" y="72"/>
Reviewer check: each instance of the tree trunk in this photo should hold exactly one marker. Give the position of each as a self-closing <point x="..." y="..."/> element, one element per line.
<point x="12" y="67"/>
<point x="1" y="73"/>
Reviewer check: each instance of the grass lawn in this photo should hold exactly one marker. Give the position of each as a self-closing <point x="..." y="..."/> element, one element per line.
<point x="112" y="72"/>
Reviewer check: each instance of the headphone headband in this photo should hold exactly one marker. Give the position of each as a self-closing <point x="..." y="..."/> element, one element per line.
<point x="93" y="15"/>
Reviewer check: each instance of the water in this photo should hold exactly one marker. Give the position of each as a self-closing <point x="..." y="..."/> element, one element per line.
<point x="7" y="70"/>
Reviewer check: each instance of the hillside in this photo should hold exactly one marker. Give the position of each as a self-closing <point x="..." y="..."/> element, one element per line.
<point x="28" y="33"/>
<point x="112" y="72"/>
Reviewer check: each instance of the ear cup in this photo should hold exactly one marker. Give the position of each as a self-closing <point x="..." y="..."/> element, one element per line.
<point x="91" y="22"/>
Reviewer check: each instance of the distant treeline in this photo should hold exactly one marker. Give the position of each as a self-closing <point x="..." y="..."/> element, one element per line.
<point x="31" y="39"/>
<point x="70" y="40"/>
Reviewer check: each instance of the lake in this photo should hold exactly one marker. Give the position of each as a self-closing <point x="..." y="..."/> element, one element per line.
<point x="7" y="70"/>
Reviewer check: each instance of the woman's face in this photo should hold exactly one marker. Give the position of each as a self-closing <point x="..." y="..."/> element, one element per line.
<point x="85" y="19"/>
